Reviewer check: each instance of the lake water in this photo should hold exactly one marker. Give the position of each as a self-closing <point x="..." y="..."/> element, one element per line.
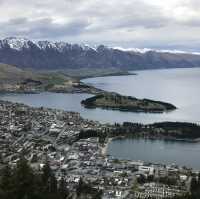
<point x="157" y="151"/>
<point x="177" y="86"/>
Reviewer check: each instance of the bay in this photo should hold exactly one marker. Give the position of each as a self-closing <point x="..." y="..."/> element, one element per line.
<point x="156" y="151"/>
<point x="177" y="86"/>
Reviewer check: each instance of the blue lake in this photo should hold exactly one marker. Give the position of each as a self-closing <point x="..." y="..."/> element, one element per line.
<point x="156" y="151"/>
<point x="177" y="86"/>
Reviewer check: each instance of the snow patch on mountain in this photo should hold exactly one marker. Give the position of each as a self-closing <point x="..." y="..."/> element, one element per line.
<point x="22" y="43"/>
<point x="145" y="50"/>
<point x="137" y="50"/>
<point x="15" y="43"/>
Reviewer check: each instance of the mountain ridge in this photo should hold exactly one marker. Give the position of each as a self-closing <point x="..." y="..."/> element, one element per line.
<point x="47" y="55"/>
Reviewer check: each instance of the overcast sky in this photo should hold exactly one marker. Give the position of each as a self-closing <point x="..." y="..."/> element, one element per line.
<point x="161" y="24"/>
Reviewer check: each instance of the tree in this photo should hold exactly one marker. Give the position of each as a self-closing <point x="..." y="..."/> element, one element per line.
<point x="53" y="184"/>
<point x="49" y="181"/>
<point x="62" y="189"/>
<point x="23" y="180"/>
<point x="80" y="186"/>
<point x="194" y="185"/>
<point x="98" y="195"/>
<point x="1" y="158"/>
<point x="85" y="189"/>
<point x="6" y="185"/>
<point x="46" y="175"/>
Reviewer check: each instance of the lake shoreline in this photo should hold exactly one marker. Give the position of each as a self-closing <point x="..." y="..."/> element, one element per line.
<point x="75" y="86"/>
<point x="54" y="99"/>
<point x="111" y="116"/>
<point x="157" y="151"/>
<point x="104" y="148"/>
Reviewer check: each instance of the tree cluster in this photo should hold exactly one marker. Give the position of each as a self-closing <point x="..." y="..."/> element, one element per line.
<point x="21" y="182"/>
<point x="194" y="189"/>
<point x="180" y="129"/>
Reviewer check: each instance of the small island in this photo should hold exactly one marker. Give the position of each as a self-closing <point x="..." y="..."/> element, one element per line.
<point x="126" y="103"/>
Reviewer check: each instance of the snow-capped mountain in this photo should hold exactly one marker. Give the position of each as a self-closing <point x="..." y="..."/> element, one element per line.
<point x="145" y="50"/>
<point x="20" y="44"/>
<point x="25" y="53"/>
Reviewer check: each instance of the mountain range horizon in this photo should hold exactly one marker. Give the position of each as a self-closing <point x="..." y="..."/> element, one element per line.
<point x="86" y="45"/>
<point x="47" y="55"/>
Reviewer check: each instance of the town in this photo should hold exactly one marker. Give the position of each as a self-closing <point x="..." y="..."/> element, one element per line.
<point x="76" y="149"/>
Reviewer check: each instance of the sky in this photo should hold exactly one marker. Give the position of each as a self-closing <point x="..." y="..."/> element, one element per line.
<point x="158" y="24"/>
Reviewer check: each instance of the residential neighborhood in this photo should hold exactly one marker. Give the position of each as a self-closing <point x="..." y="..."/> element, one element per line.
<point x="41" y="133"/>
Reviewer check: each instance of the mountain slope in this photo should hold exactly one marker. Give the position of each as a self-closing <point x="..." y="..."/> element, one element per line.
<point x="11" y="74"/>
<point x="13" y="79"/>
<point x="60" y="55"/>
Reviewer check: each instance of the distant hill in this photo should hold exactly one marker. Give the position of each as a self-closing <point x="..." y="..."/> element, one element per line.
<point x="47" y="55"/>
<point x="11" y="74"/>
<point x="14" y="75"/>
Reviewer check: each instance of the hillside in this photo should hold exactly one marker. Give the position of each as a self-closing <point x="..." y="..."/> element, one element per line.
<point x="60" y="55"/>
<point x="11" y="74"/>
<point x="14" y="79"/>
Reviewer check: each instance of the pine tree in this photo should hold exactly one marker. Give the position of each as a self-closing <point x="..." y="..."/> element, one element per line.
<point x="62" y="189"/>
<point x="23" y="183"/>
<point x="6" y="185"/>
<point x="49" y="181"/>
<point x="46" y="175"/>
<point x="80" y="186"/>
<point x="1" y="158"/>
<point x="53" y="184"/>
<point x="23" y="180"/>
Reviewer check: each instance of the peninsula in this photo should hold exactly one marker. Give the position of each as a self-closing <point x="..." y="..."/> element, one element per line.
<point x="126" y="103"/>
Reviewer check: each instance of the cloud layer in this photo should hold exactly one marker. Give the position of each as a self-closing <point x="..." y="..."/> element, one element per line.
<point x="128" y="23"/>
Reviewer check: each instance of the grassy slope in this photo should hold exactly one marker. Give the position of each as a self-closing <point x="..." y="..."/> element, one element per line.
<point x="89" y="72"/>
<point x="11" y="74"/>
